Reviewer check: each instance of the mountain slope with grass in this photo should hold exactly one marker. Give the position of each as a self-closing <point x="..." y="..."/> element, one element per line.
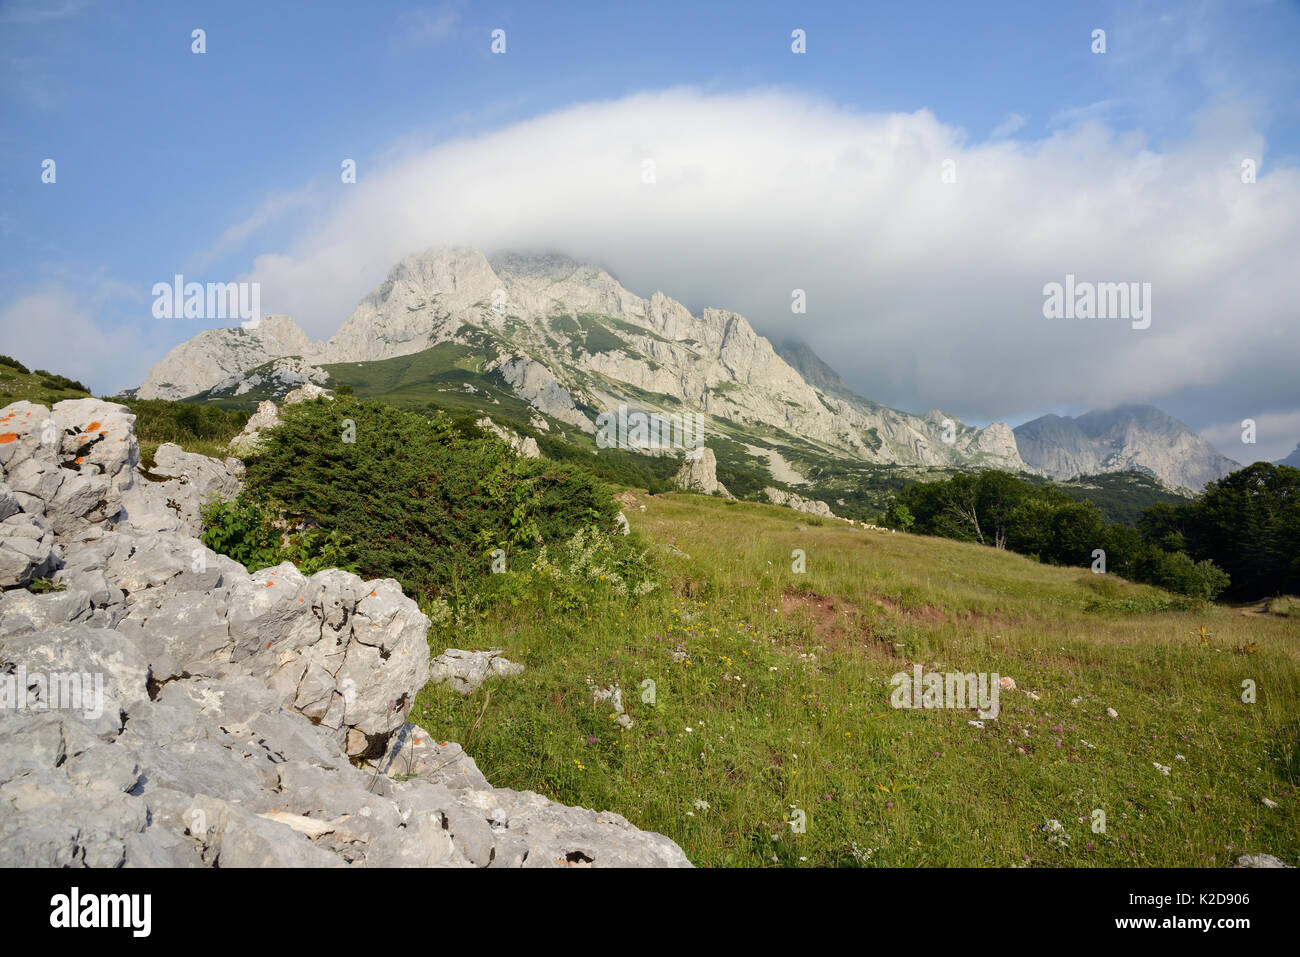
<point x="724" y="675"/>
<point x="757" y="692"/>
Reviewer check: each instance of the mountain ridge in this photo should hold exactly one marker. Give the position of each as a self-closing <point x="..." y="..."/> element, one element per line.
<point x="1129" y="437"/>
<point x="570" y="340"/>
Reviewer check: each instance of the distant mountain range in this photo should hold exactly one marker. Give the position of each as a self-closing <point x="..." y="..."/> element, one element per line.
<point x="1292" y="460"/>
<point x="1130" y="438"/>
<point x="570" y="341"/>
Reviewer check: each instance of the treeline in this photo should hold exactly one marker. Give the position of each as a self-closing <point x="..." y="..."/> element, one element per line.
<point x="1239" y="538"/>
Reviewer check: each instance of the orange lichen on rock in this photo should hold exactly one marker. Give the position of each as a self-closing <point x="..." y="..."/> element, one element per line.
<point x="8" y="437"/>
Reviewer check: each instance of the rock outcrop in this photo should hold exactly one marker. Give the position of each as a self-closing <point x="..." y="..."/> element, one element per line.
<point x="467" y="670"/>
<point x="699" y="473"/>
<point x="520" y="445"/>
<point x="216" y="355"/>
<point x="276" y="379"/>
<point x="797" y="502"/>
<point x="171" y="493"/>
<point x="165" y="707"/>
<point x="266" y="417"/>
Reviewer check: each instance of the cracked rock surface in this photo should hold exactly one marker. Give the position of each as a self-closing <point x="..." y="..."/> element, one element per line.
<point x="165" y="707"/>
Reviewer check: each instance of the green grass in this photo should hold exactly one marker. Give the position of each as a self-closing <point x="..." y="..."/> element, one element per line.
<point x="437" y="377"/>
<point x="203" y="428"/>
<point x="35" y="385"/>
<point x="749" y="725"/>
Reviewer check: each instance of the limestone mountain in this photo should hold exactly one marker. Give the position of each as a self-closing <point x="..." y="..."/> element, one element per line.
<point x="570" y="341"/>
<point x="216" y="355"/>
<point x="1292" y="460"/>
<point x="1138" y="438"/>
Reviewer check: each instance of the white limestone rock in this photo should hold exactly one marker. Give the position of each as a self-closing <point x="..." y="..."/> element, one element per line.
<point x="216" y="355"/>
<point x="797" y="502"/>
<point x="191" y="714"/>
<point x="467" y="670"/>
<point x="699" y="473"/>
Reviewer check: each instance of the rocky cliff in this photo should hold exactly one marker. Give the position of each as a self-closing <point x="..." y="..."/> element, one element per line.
<point x="1136" y="438"/>
<point x="217" y="355"/>
<point x="568" y="338"/>
<point x="165" y="707"/>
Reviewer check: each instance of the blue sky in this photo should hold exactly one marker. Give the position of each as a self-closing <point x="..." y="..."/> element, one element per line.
<point x="174" y="162"/>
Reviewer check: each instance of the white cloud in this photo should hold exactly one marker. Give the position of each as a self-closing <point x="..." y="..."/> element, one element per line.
<point x="426" y="26"/>
<point x="922" y="294"/>
<point x="1013" y="122"/>
<point x="271" y="209"/>
<point x="56" y="329"/>
<point x="1276" y="436"/>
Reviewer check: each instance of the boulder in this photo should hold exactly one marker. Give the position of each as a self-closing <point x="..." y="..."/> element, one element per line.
<point x="699" y="473"/>
<point x="467" y="670"/>
<point x="797" y="502"/>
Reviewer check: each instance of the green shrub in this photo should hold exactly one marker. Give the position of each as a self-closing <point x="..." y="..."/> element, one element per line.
<point x="246" y="531"/>
<point x="417" y="499"/>
<point x="899" y="516"/>
<point x="59" y="382"/>
<point x="1203" y="579"/>
<point x="13" y="363"/>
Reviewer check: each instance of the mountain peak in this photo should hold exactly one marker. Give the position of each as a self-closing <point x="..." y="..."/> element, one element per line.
<point x="1132" y="437"/>
<point x="568" y="338"/>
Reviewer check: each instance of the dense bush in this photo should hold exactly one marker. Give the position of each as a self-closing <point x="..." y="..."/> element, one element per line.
<point x="618" y="466"/>
<point x="160" y="420"/>
<point x="1183" y="548"/>
<point x="246" y="531"/>
<point x="13" y="363"/>
<point x="60" y="382"/>
<point x="1248" y="523"/>
<point x="419" y="499"/>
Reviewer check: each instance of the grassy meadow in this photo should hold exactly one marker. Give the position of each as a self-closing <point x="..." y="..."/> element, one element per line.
<point x="771" y="703"/>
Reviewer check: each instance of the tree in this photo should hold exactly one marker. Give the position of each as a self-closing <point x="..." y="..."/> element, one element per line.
<point x="997" y="495"/>
<point x="1248" y="523"/>
<point x="899" y="516"/>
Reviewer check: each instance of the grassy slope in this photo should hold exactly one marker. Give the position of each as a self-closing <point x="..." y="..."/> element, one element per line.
<point x="904" y="788"/>
<point x="17" y="386"/>
<point x="438" y="376"/>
